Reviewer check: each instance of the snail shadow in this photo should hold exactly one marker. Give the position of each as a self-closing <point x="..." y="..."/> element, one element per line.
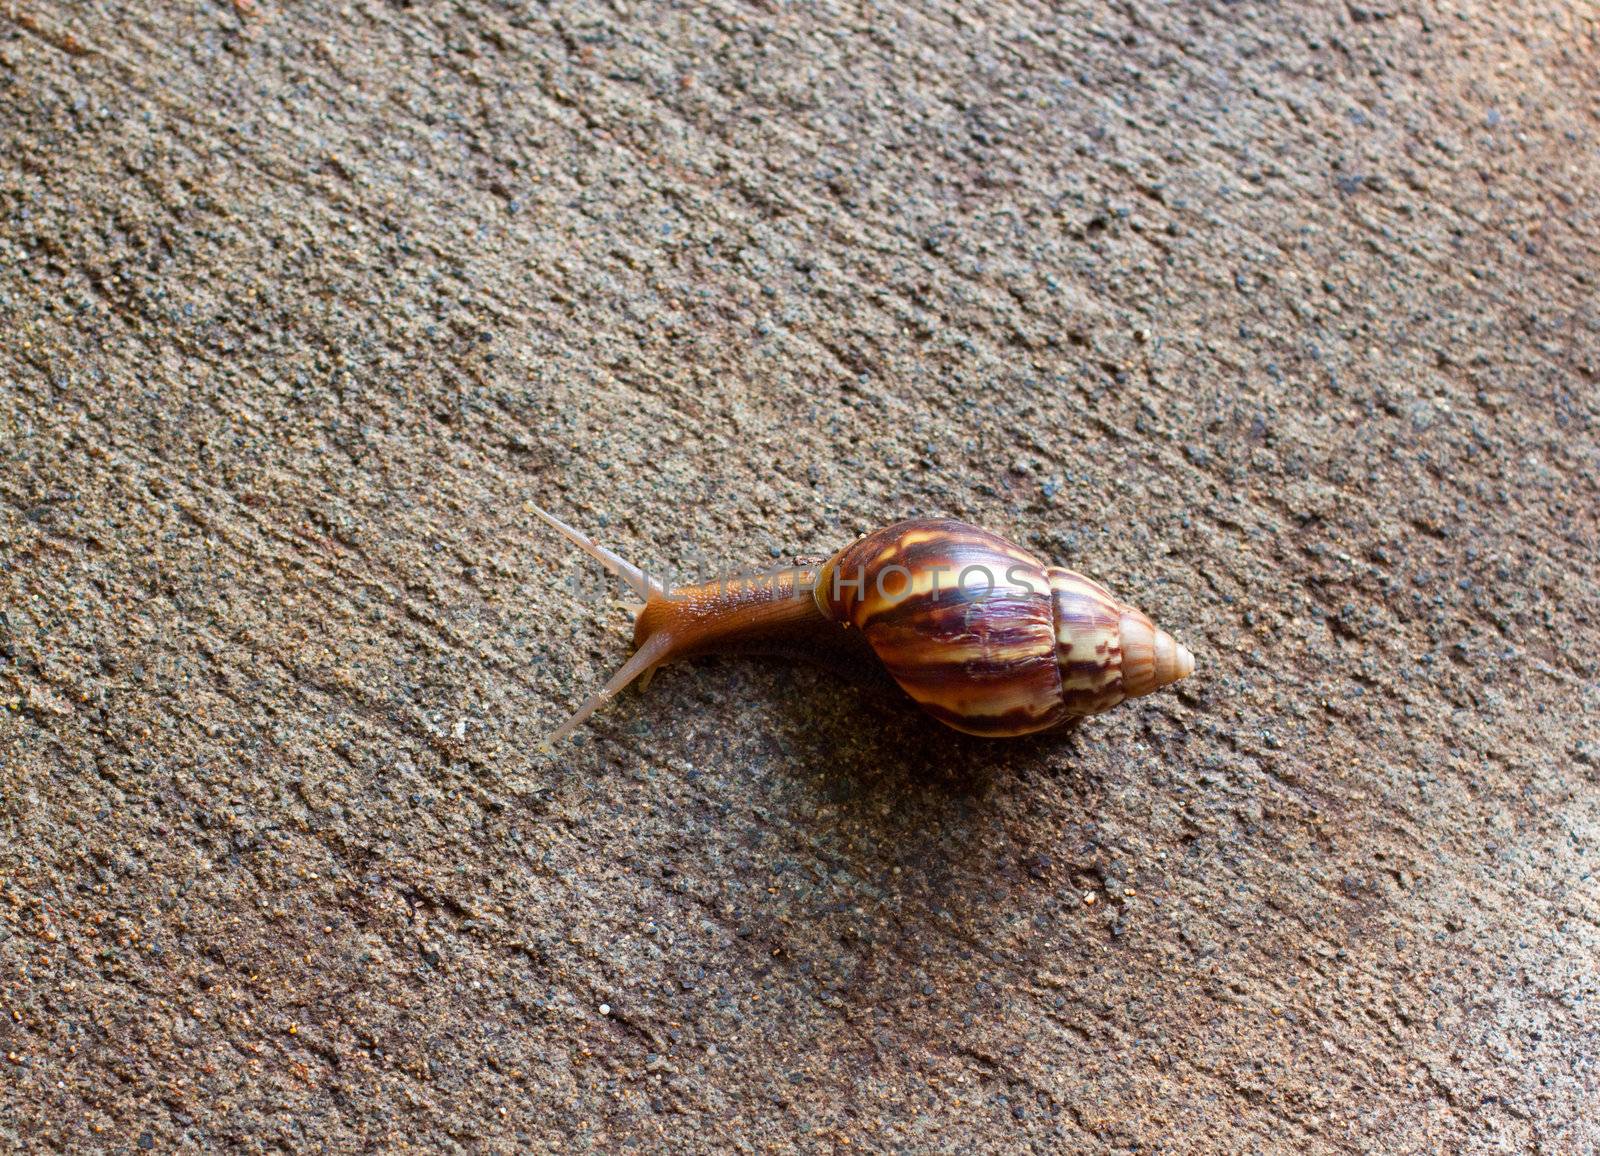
<point x="858" y="766"/>
<point x="911" y="853"/>
<point x="934" y="816"/>
<point x="847" y="723"/>
<point x="862" y="725"/>
<point x="941" y="844"/>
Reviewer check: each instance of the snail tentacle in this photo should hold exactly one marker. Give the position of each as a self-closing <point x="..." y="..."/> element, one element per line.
<point x="638" y="581"/>
<point x="641" y="662"/>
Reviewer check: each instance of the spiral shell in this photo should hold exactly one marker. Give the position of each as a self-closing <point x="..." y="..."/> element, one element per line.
<point x="987" y="638"/>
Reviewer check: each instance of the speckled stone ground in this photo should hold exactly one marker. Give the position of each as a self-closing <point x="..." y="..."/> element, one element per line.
<point x="1280" y="318"/>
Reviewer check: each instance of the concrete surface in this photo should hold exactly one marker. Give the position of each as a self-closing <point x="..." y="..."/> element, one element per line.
<point x="1278" y="318"/>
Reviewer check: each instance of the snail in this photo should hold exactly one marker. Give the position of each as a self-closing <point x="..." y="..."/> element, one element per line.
<point x="983" y="635"/>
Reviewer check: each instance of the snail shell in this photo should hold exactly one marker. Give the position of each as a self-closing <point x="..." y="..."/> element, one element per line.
<point x="987" y="638"/>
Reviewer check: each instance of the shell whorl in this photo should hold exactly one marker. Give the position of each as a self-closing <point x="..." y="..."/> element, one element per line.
<point x="985" y="636"/>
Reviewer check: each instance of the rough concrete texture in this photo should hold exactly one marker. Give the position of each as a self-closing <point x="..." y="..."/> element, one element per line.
<point x="1279" y="318"/>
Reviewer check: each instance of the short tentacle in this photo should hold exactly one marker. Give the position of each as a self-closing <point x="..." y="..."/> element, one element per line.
<point x="644" y="660"/>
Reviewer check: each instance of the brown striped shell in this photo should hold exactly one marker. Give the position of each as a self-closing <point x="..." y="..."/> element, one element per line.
<point x="986" y="637"/>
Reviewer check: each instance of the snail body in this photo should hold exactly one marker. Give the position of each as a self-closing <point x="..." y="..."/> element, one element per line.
<point x="983" y="635"/>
